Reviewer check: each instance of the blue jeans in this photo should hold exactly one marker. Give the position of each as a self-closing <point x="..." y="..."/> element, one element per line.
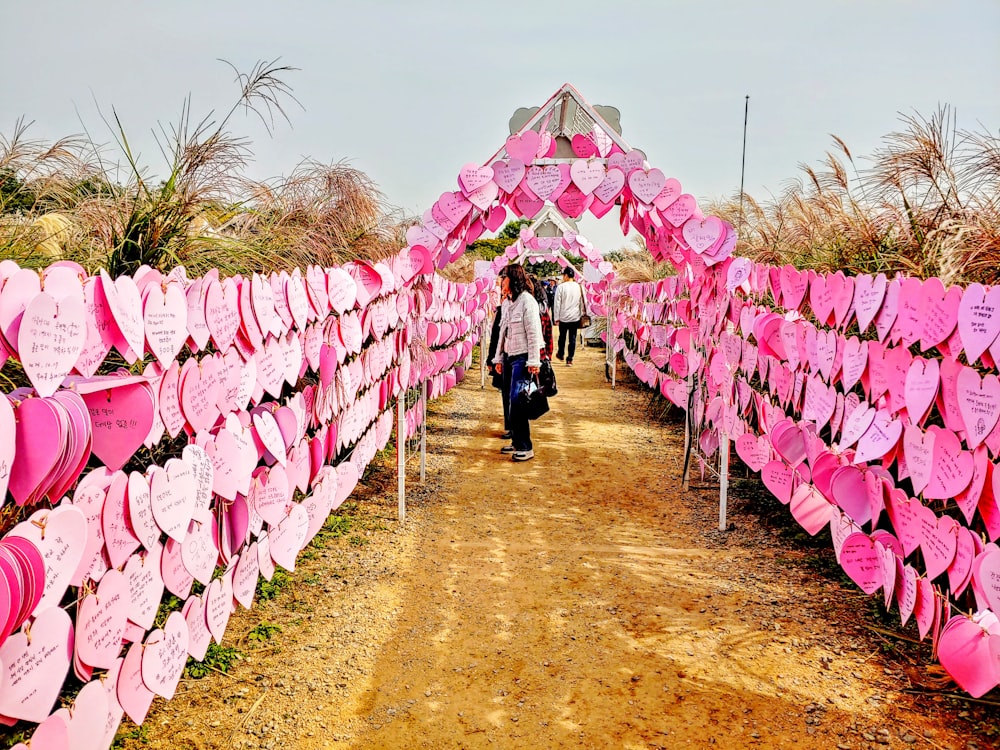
<point x="520" y="427"/>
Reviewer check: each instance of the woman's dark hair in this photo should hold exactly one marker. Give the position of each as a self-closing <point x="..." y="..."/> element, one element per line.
<point x="538" y="290"/>
<point x="517" y="280"/>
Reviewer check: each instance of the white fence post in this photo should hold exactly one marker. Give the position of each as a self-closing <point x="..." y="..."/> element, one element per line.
<point x="401" y="454"/>
<point x="423" y="430"/>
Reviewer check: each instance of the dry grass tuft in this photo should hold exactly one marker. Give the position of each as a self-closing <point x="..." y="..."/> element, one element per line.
<point x="928" y="204"/>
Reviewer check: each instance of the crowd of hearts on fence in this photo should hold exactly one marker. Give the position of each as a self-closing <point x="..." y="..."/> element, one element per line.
<point x="264" y="397"/>
<point x="871" y="407"/>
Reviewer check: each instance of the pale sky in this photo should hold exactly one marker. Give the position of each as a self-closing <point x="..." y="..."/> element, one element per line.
<point x="409" y="91"/>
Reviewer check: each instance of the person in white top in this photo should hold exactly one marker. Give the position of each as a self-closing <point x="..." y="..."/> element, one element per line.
<point x="520" y="343"/>
<point x="569" y="309"/>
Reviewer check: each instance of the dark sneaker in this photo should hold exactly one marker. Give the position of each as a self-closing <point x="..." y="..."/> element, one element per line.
<point x="508" y="449"/>
<point x="559" y="356"/>
<point x="523" y="455"/>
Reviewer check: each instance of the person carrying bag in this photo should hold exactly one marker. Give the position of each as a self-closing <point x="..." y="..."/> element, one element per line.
<point x="520" y="344"/>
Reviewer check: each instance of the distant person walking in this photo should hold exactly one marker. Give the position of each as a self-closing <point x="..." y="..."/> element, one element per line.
<point x="569" y="310"/>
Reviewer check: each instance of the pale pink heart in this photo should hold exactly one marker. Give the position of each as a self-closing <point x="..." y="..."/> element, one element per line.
<point x="587" y="175"/>
<point x="473" y="176"/>
<point x="523" y="146"/>
<point x="60" y="535"/>
<point x="841" y="290"/>
<point x="172" y="499"/>
<point x="164" y="315"/>
<point x="482" y="198"/>
<point x="140" y="510"/>
<point x="953" y="467"/>
<point x="100" y="621"/>
<point x="287" y="538"/>
<point x="966" y="651"/>
<point x="200" y="550"/>
<point x="224" y="453"/>
<point x="347" y="479"/>
<point x="508" y="175"/>
<point x="145" y="585"/>
<point x="121" y="416"/>
<point x="219" y="605"/>
<point x="169" y="402"/>
<point x="940" y="313"/>
<point x="50" y="340"/>
<point x="968" y="500"/>
<point x="123" y="301"/>
<point x="859" y="559"/>
<point x="978" y="319"/>
<point x="880" y="438"/>
<point x="921" y="386"/>
<point x="198" y="389"/>
<point x="821" y="298"/>
<point x="670" y="192"/>
<point x="646" y="184"/>
<point x="543" y="181"/>
<point x="199" y="636"/>
<point x="887" y="313"/>
<point x="855" y="361"/>
<point x="849" y="491"/>
<point x="912" y="309"/>
<point x="868" y="295"/>
<point x="165" y="655"/>
<point x="18" y="290"/>
<point x="947" y="400"/>
<point x="89" y="496"/>
<point x="810" y="508"/>
<point x="789" y="441"/>
<point x="611" y="186"/>
<point x="918" y="449"/>
<point x="979" y="404"/>
<point x="97" y="323"/>
<point x="778" y="477"/>
<point x="702" y="234"/>
<point x="297" y="299"/>
<point x="938" y="541"/>
<point x="960" y="569"/>
<point x="84" y="722"/>
<point x="245" y="576"/>
<point x="120" y="540"/>
<point x="133" y="695"/>
<point x="906" y="593"/>
<point x="904" y="512"/>
<point x="264" y="306"/>
<point x="820" y="401"/>
<point x="634" y="159"/>
<point x="222" y="311"/>
<point x="680" y="210"/>
<point x="33" y="669"/>
<point x="453" y="206"/>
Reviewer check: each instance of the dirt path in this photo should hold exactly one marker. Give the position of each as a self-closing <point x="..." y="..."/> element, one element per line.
<point x="579" y="600"/>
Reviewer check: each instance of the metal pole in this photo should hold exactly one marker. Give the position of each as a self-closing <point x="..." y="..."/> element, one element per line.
<point x="723" y="480"/>
<point x="401" y="455"/>
<point x="423" y="430"/>
<point x="687" y="432"/>
<point x="482" y="357"/>
<point x="746" y="116"/>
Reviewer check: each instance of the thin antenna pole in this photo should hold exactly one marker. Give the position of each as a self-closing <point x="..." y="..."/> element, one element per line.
<point x="743" y="167"/>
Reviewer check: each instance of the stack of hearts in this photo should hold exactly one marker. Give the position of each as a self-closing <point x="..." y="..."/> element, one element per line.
<point x="869" y="405"/>
<point x="277" y="391"/>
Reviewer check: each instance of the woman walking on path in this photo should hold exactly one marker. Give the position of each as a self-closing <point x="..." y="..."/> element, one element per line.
<point x="520" y="344"/>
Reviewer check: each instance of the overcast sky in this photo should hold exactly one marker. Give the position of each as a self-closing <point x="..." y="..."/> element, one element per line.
<point x="409" y="91"/>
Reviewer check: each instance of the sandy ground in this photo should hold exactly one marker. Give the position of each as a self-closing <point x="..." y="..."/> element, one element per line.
<point x="579" y="600"/>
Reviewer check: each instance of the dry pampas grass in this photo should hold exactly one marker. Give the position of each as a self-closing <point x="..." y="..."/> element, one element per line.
<point x="927" y="204"/>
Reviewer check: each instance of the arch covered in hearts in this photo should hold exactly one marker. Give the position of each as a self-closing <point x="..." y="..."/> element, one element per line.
<point x="525" y="176"/>
<point x="870" y="406"/>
